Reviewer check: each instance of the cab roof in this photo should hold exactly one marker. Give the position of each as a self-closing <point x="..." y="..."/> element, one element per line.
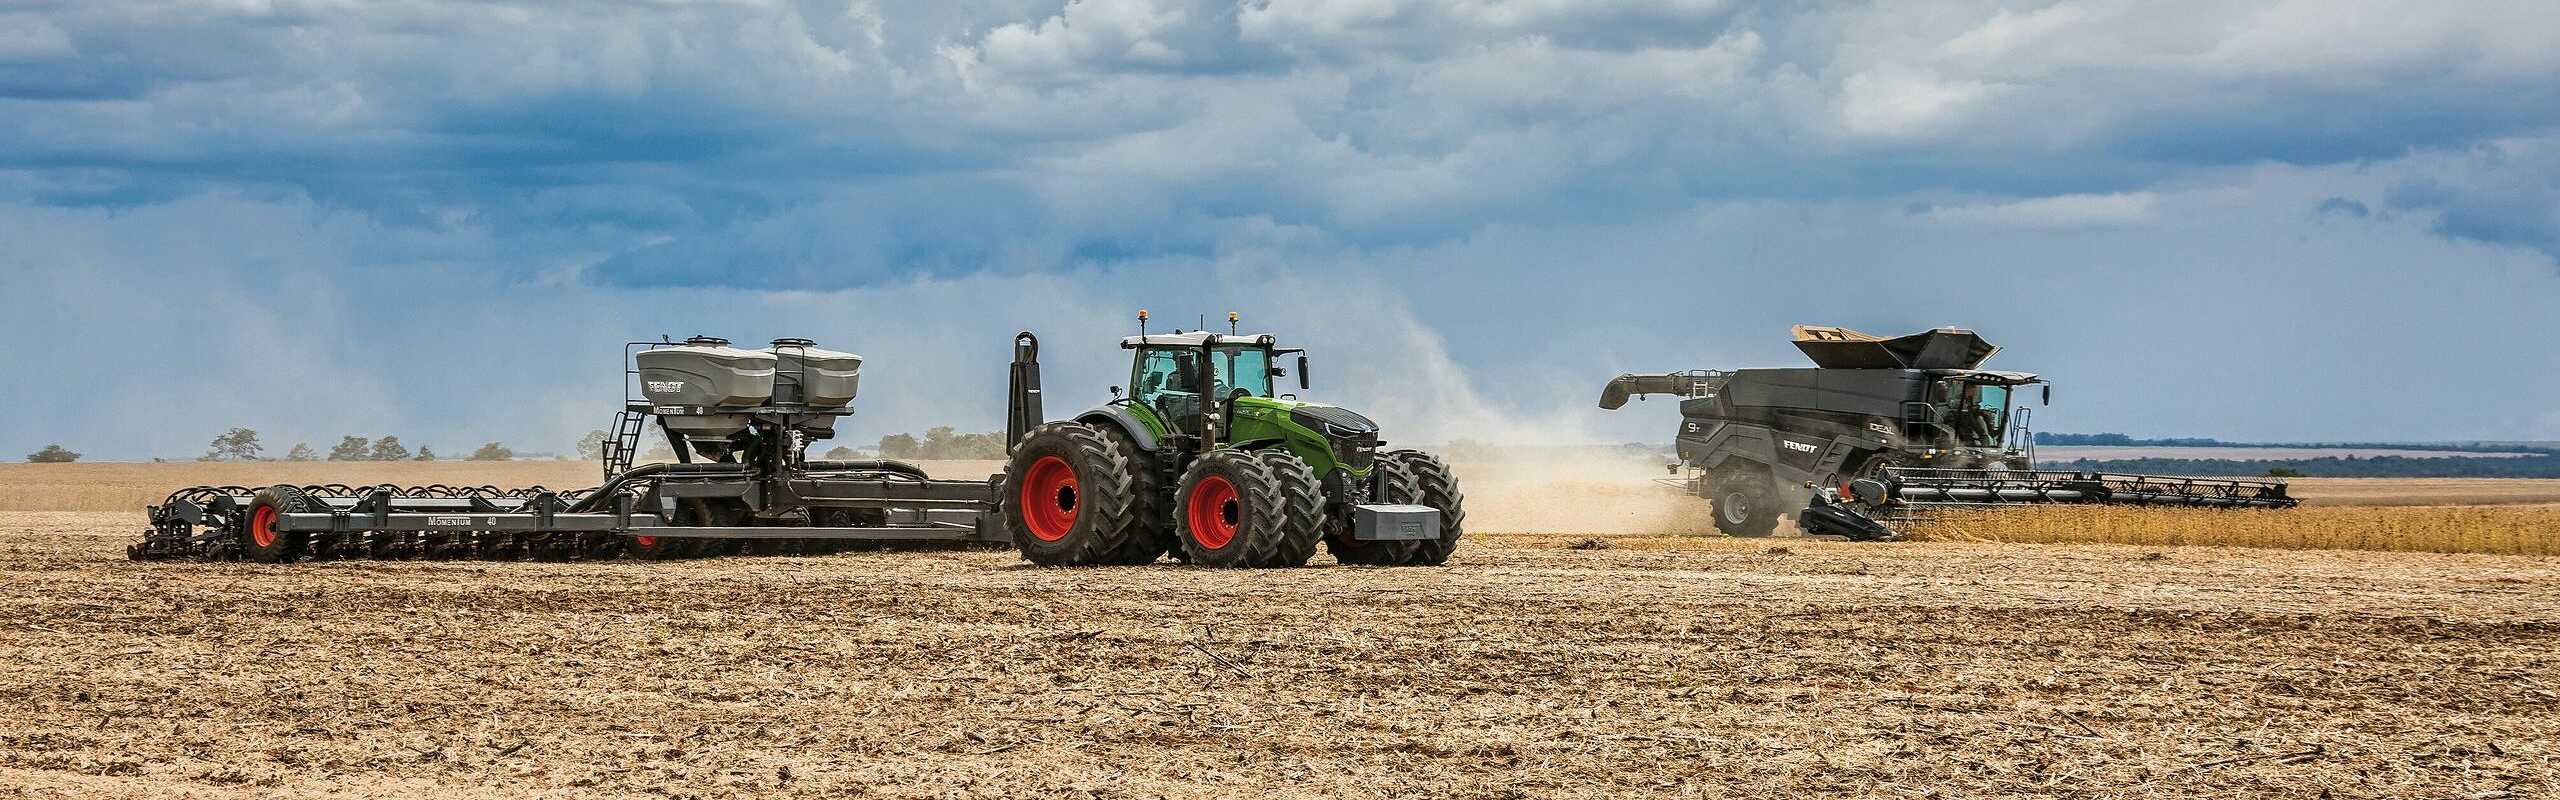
<point x="1198" y="339"/>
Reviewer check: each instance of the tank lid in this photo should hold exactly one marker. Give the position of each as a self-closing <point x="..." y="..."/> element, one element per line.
<point x="794" y="341"/>
<point x="699" y="340"/>
<point x="1944" y="348"/>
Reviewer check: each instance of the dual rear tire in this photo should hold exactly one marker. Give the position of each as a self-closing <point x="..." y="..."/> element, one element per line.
<point x="1249" y="508"/>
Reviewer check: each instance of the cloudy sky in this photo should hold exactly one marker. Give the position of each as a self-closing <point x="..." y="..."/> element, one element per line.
<point x="2269" y="220"/>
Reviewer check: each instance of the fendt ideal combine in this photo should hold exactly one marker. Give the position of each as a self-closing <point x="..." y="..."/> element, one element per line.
<point x="1884" y="428"/>
<point x="1203" y="460"/>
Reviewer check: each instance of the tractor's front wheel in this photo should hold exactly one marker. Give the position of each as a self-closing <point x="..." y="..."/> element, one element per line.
<point x="1067" y="496"/>
<point x="1410" y="477"/>
<point x="1744" y="502"/>
<point x="1241" y="508"/>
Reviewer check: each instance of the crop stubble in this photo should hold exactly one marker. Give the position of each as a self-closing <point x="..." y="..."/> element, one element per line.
<point x="1654" y="667"/>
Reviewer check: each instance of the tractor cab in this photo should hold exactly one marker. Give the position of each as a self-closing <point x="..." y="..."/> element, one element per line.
<point x="1174" y="372"/>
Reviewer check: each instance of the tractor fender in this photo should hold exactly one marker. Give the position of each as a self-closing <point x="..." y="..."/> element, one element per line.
<point x="1127" y="422"/>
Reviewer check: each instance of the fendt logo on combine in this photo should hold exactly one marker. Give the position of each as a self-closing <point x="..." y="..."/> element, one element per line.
<point x="1798" y="446"/>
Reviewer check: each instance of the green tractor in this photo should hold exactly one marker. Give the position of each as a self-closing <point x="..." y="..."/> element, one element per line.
<point x="1206" y="460"/>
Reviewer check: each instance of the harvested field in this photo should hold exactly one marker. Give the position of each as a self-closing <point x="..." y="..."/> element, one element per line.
<point x="1640" y="667"/>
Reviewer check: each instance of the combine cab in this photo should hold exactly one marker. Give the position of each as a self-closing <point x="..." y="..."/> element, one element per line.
<point x="1882" y="428"/>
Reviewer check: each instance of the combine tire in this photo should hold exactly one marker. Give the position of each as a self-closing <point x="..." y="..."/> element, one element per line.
<point x="1745" y="505"/>
<point x="1416" y="478"/>
<point x="1245" y="509"/>
<point x="1068" y="496"/>
<point x="259" y="540"/>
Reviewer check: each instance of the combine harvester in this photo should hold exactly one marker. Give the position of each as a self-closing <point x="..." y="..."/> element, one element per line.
<point x="1884" y="429"/>
<point x="1204" y="460"/>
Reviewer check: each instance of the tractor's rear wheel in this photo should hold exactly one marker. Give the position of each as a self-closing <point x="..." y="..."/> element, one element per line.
<point x="259" y="539"/>
<point x="1242" y="508"/>
<point x="1150" y="532"/>
<point x="1744" y="502"/>
<point x="1068" y="497"/>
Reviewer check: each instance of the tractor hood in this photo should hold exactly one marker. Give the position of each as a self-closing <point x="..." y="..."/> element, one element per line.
<point x="1944" y="348"/>
<point x="1332" y="421"/>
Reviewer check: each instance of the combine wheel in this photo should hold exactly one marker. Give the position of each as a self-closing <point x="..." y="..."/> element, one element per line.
<point x="259" y="539"/>
<point x="1745" y="503"/>
<point x="1067" y="495"/>
<point x="1238" y="509"/>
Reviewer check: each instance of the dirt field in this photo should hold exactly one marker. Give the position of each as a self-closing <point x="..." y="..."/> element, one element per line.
<point x="1655" y="667"/>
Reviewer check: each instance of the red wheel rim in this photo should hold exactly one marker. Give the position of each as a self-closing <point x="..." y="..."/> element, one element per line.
<point x="262" y="526"/>
<point x="645" y="541"/>
<point x="1214" y="512"/>
<point x="1049" y="499"/>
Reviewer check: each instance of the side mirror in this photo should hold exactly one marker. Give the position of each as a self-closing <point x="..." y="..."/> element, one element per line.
<point x="2048" y="394"/>
<point x="1302" y="371"/>
<point x="1115" y="393"/>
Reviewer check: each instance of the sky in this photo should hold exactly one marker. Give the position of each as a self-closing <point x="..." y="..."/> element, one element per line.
<point x="2279" y="220"/>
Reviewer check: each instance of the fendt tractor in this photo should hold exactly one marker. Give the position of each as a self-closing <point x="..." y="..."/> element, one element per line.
<point x="1204" y="459"/>
<point x="1883" y="428"/>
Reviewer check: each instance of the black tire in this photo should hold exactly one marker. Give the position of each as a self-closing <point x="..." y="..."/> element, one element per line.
<point x="1239" y="509"/>
<point x="1067" y="496"/>
<point x="1150" y="534"/>
<point x="1306" y="507"/>
<point x="259" y="540"/>
<point x="1429" y="482"/>
<point x="1744" y="502"/>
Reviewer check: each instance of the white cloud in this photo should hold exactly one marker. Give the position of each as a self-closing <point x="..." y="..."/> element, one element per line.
<point x="29" y="37"/>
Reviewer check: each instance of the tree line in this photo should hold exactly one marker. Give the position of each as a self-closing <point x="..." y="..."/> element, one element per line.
<point x="2546" y="465"/>
<point x="2121" y="440"/>
<point x="241" y="444"/>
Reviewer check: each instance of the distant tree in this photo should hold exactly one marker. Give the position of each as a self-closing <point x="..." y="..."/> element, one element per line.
<point x="425" y="453"/>
<point x="52" y="454"/>
<point x="591" y="446"/>
<point x="492" y="451"/>
<point x="2283" y="472"/>
<point x="388" y="448"/>
<point x="843" y="453"/>
<point x="301" y="452"/>
<point x="900" y="445"/>
<point x="947" y="442"/>
<point x="241" y="444"/>
<point x="352" y="448"/>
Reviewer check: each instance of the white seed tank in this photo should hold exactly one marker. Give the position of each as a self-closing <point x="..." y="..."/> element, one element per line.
<point x="823" y="380"/>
